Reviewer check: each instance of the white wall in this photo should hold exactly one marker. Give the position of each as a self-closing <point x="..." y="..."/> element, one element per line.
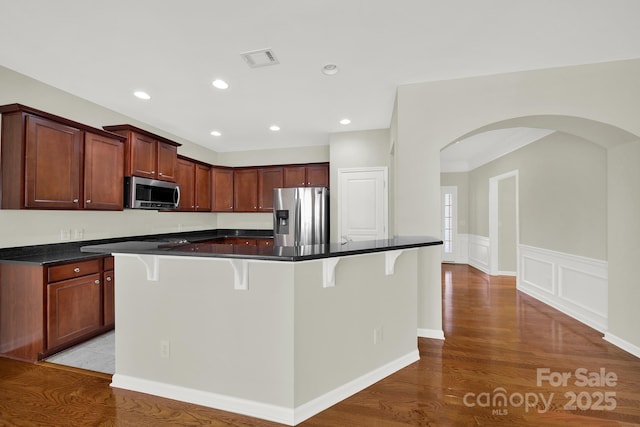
<point x="563" y="195"/>
<point x="354" y="150"/>
<point x="432" y="115"/>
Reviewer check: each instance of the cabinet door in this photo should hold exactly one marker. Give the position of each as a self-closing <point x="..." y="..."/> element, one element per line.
<point x="294" y="176"/>
<point x="108" y="301"/>
<point x="318" y="175"/>
<point x="143" y="156"/>
<point x="222" y="189"/>
<point x="74" y="309"/>
<point x="268" y="179"/>
<point x="185" y="177"/>
<point x="103" y="173"/>
<point x="245" y="190"/>
<point x="53" y="161"/>
<point x="203" y="188"/>
<point x="167" y="161"/>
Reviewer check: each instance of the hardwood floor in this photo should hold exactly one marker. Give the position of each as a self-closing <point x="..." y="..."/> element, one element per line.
<point x="496" y="340"/>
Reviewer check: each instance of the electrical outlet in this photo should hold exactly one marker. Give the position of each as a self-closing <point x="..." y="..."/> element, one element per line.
<point x="78" y="234"/>
<point x="65" y="234"/>
<point x="165" y="349"/>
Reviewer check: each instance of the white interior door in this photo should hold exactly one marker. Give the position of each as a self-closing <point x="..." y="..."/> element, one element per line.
<point x="363" y="204"/>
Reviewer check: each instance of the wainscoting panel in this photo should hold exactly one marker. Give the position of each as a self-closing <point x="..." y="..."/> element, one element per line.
<point x="577" y="286"/>
<point x="537" y="273"/>
<point x="479" y="252"/>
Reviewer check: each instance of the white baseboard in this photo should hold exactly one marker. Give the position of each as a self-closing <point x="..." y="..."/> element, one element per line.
<point x="574" y="285"/>
<point x="623" y="344"/>
<point x="437" y="334"/>
<point x="198" y="397"/>
<point x="327" y="400"/>
<point x="279" y="414"/>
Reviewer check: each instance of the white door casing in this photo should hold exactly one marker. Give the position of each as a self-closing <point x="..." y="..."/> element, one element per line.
<point x="449" y="211"/>
<point x="363" y="203"/>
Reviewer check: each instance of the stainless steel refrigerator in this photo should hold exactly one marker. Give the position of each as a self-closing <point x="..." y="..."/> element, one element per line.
<point x="301" y="216"/>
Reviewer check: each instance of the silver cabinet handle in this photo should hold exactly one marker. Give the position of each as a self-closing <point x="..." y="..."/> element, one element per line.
<point x="89" y="201"/>
<point x="97" y="282"/>
<point x="76" y="270"/>
<point x="109" y="279"/>
<point x="75" y="200"/>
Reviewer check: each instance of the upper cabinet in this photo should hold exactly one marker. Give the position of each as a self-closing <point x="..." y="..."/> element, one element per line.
<point x="103" y="173"/>
<point x="146" y="154"/>
<point x="268" y="179"/>
<point x="195" y="185"/>
<point x="245" y="190"/>
<point x="309" y="175"/>
<point x="49" y="162"/>
<point x="253" y="188"/>
<point x="222" y="189"/>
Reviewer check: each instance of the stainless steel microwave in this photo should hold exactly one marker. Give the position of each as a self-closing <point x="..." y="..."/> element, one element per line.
<point x="145" y="193"/>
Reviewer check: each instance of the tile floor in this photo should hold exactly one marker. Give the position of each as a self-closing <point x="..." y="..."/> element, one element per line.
<point x="97" y="354"/>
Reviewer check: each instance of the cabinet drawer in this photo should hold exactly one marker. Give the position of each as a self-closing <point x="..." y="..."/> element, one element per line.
<point x="73" y="269"/>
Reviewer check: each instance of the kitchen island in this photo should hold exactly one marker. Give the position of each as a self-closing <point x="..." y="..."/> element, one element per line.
<point x="279" y="333"/>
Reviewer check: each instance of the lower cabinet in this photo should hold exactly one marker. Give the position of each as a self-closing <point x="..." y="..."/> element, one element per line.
<point x="47" y="308"/>
<point x="108" y="301"/>
<point x="73" y="309"/>
<point x="79" y="301"/>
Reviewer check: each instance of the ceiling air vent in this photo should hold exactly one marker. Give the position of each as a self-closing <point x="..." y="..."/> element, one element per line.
<point x="260" y="58"/>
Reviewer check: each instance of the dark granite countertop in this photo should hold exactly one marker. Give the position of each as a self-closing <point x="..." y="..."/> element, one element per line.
<point x="56" y="253"/>
<point x="266" y="253"/>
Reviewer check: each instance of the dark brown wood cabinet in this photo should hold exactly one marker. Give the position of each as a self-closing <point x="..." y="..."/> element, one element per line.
<point x="53" y="164"/>
<point x="146" y="154"/>
<point x="195" y="185"/>
<point x="46" y="308"/>
<point x="306" y="175"/>
<point x="253" y="186"/>
<point x="73" y="309"/>
<point x="167" y="155"/>
<point x="268" y="179"/>
<point x="203" y="188"/>
<point x="49" y="162"/>
<point x="294" y="176"/>
<point x="264" y="242"/>
<point x="222" y="189"/>
<point x="185" y="176"/>
<point x="108" y="294"/>
<point x="245" y="190"/>
<point x="318" y="175"/>
<point x="103" y="173"/>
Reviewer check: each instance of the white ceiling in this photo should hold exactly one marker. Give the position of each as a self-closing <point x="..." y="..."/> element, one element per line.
<point x="472" y="152"/>
<point x="103" y="51"/>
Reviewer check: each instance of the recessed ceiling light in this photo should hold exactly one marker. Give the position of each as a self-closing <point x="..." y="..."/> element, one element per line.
<point x="345" y="121"/>
<point x="220" y="84"/>
<point x="330" y="69"/>
<point x="215" y="133"/>
<point x="274" y="128"/>
<point x="142" y="95"/>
